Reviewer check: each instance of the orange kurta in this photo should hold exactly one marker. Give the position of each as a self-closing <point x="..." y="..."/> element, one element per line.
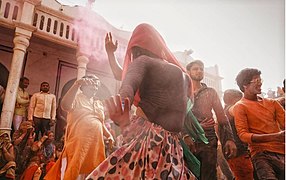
<point x="84" y="146"/>
<point x="264" y="116"/>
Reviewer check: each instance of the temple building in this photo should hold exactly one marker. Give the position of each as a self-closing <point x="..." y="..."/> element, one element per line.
<point x="44" y="40"/>
<point x="47" y="41"/>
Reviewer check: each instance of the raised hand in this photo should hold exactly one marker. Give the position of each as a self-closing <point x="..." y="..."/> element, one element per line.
<point x="9" y="155"/>
<point x="110" y="47"/>
<point x="117" y="113"/>
<point x="87" y="82"/>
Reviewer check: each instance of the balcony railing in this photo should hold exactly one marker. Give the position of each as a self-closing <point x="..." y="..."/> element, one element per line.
<point x="9" y="11"/>
<point x="50" y="24"/>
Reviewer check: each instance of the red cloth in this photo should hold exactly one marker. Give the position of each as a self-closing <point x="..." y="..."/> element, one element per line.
<point x="29" y="172"/>
<point x="49" y="165"/>
<point x="147" y="37"/>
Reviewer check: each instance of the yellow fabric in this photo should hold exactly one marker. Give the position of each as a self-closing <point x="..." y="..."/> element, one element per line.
<point x="22" y="103"/>
<point x="84" y="145"/>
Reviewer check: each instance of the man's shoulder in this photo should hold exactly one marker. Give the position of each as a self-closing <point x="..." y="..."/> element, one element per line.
<point x="50" y="94"/>
<point x="240" y="104"/>
<point x="206" y="88"/>
<point x="36" y="93"/>
<point x="247" y="104"/>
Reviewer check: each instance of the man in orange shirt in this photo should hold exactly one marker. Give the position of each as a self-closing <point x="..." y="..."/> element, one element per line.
<point x="260" y="122"/>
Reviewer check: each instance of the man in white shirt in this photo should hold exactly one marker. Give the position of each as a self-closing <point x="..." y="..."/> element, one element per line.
<point x="42" y="110"/>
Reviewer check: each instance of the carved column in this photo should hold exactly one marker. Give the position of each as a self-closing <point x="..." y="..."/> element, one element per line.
<point x="21" y="42"/>
<point x="23" y="33"/>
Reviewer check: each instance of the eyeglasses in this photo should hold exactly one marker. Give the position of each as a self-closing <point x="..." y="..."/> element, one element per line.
<point x="257" y="81"/>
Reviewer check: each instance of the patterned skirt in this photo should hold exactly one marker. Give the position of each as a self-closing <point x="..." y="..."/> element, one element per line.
<point x="149" y="152"/>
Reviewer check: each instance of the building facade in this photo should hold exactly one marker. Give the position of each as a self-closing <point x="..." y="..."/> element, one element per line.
<point x="47" y="41"/>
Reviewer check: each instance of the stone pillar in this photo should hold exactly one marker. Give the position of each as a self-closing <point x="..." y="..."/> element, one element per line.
<point x="21" y="42"/>
<point x="23" y="33"/>
<point x="82" y="60"/>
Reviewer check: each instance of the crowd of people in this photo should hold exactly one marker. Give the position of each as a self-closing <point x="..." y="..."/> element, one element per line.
<point x="31" y="150"/>
<point x="178" y="130"/>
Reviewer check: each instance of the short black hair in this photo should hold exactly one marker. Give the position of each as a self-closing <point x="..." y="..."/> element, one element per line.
<point x="199" y="62"/>
<point x="23" y="78"/>
<point x="245" y="76"/>
<point x="45" y="83"/>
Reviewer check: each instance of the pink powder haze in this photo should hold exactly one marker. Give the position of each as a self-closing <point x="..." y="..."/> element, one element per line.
<point x="230" y="34"/>
<point x="91" y="29"/>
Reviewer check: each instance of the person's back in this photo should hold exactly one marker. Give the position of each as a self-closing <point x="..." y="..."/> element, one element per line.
<point x="151" y="148"/>
<point x="162" y="84"/>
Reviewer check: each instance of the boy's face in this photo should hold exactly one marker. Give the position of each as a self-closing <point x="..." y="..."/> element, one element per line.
<point x="254" y="87"/>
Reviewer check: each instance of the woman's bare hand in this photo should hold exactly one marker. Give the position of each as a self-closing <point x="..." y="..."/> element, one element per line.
<point x="110" y="47"/>
<point x="117" y="113"/>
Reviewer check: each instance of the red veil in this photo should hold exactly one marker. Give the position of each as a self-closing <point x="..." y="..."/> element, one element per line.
<point x="147" y="37"/>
